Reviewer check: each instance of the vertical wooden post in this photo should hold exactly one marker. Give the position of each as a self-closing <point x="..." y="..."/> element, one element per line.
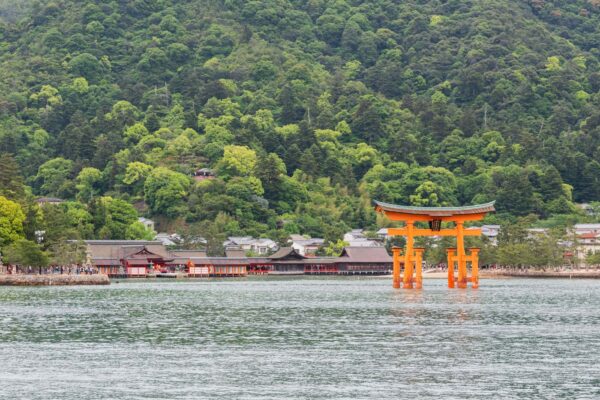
<point x="408" y="256"/>
<point x="396" y="270"/>
<point x="419" y="268"/>
<point x="461" y="256"/>
<point x="450" y="268"/>
<point x="474" y="268"/>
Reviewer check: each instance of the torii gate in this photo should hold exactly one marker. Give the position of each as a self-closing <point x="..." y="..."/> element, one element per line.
<point x="413" y="257"/>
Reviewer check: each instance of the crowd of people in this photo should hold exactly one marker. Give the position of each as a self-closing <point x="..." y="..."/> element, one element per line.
<point x="55" y="269"/>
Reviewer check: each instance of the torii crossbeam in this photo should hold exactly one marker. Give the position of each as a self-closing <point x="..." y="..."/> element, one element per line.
<point x="412" y="276"/>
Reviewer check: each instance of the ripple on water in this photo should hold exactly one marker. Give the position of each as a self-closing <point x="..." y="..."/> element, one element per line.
<point x="337" y="338"/>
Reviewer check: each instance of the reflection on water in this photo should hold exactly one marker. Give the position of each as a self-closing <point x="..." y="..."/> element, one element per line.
<point x="334" y="338"/>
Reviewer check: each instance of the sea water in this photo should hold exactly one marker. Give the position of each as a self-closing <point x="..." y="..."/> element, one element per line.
<point x="301" y="338"/>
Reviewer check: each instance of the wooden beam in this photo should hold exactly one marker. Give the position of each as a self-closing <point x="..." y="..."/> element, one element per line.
<point x="396" y="216"/>
<point x="429" y="232"/>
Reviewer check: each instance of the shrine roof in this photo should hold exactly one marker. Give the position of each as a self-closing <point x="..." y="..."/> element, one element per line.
<point x="436" y="211"/>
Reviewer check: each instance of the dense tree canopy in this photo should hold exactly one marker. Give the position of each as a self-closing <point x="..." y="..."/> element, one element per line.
<point x="305" y="110"/>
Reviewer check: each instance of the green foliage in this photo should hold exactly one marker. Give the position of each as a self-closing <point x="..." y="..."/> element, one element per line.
<point x="236" y="161"/>
<point x="137" y="231"/>
<point x="53" y="177"/>
<point x="11" y="221"/>
<point x="11" y="181"/>
<point x="593" y="259"/>
<point x="334" y="249"/>
<point x="65" y="221"/>
<point x="68" y="253"/>
<point x="165" y="191"/>
<point x="136" y="174"/>
<point x="305" y="111"/>
<point x="519" y="248"/>
<point x="112" y="217"/>
<point x="26" y="253"/>
<point x="87" y="183"/>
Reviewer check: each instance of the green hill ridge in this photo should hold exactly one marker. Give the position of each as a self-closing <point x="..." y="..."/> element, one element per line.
<point x="306" y="111"/>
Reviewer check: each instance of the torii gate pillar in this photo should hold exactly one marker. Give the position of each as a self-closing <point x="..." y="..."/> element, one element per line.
<point x="412" y="276"/>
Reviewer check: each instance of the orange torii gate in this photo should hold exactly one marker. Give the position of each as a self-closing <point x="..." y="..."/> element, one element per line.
<point x="413" y="257"/>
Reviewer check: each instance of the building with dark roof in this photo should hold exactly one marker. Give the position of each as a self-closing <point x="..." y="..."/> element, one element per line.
<point x="126" y="257"/>
<point x="375" y="260"/>
<point x="235" y="253"/>
<point x="140" y="258"/>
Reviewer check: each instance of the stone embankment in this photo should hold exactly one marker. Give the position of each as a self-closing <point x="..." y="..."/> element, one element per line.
<point x="53" y="280"/>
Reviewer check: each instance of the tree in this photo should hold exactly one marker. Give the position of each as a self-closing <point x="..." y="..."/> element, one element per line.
<point x="593" y="259"/>
<point x="122" y="114"/>
<point x="87" y="183"/>
<point x="138" y="231"/>
<point x="426" y="195"/>
<point x="48" y="97"/>
<point x="65" y="221"/>
<point x="270" y="169"/>
<point x="68" y="253"/>
<point x="53" y="176"/>
<point x="136" y="174"/>
<point x="86" y="65"/>
<point x="165" y="191"/>
<point x="11" y="181"/>
<point x="551" y="184"/>
<point x="512" y="189"/>
<point x="112" y="217"/>
<point x="26" y="253"/>
<point x="214" y="234"/>
<point x="328" y="89"/>
<point x="134" y="133"/>
<point x="334" y="249"/>
<point x="236" y="161"/>
<point x="11" y="221"/>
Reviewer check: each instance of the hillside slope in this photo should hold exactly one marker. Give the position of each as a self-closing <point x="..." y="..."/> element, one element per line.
<point x="306" y="110"/>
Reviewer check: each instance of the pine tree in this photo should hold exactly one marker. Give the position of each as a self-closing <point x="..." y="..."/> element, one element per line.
<point x="11" y="181"/>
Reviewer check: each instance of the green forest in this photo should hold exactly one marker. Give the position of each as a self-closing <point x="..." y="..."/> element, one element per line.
<point x="306" y="111"/>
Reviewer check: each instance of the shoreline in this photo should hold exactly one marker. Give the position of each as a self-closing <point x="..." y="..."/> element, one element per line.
<point x="573" y="274"/>
<point x="507" y="273"/>
<point x="100" y="279"/>
<point x="53" y="280"/>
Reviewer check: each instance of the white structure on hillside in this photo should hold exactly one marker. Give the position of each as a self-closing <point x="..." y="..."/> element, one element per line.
<point x="305" y="245"/>
<point x="587" y="243"/>
<point x="148" y="223"/>
<point x="587" y="208"/>
<point x="169" y="239"/>
<point x="536" y="232"/>
<point x="248" y="243"/>
<point x="580" y="229"/>
<point x="491" y="232"/>
<point x="357" y="238"/>
<point x="382" y="234"/>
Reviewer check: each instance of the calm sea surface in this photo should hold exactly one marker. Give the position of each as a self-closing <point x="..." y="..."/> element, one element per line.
<point x="335" y="338"/>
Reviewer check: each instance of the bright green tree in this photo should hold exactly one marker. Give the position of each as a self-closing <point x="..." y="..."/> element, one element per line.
<point x="11" y="221"/>
<point x="165" y="191"/>
<point x="138" y="231"/>
<point x="112" y="217"/>
<point x="88" y="181"/>
<point x="237" y="161"/>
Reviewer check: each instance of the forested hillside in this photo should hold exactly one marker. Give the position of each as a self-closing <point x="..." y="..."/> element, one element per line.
<point x="305" y="110"/>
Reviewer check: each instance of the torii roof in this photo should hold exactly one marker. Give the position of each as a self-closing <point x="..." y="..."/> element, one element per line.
<point x="436" y="211"/>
